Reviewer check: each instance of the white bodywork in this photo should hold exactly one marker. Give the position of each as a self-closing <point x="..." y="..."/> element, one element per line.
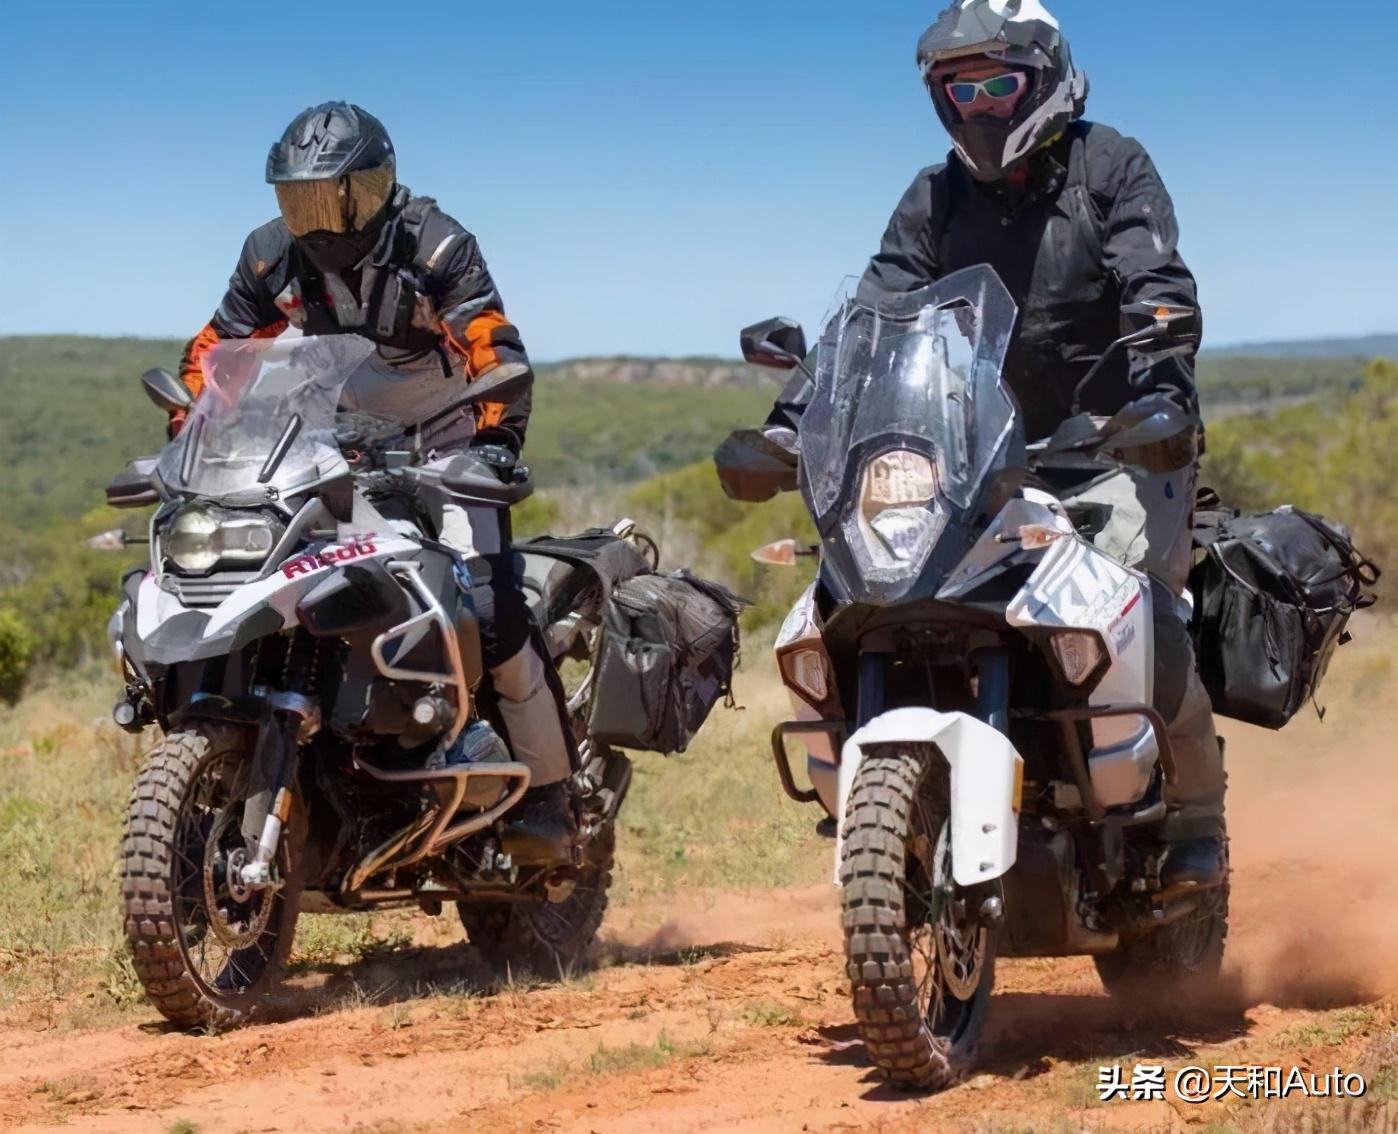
<point x="1074" y="587"/>
<point x="986" y="772"/>
<point x="1078" y="587"/>
<point x="281" y="590"/>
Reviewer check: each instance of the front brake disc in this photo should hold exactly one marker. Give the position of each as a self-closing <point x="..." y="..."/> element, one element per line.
<point x="236" y="919"/>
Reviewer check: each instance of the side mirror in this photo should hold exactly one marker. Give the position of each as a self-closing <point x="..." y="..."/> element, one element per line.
<point x="166" y="391"/>
<point x="778" y="343"/>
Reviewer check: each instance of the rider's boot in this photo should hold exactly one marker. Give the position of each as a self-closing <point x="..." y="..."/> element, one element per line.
<point x="1192" y="864"/>
<point x="1194" y="830"/>
<point x="541" y="828"/>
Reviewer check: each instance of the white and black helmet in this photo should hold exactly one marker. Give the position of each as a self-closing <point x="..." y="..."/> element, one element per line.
<point x="1021" y="34"/>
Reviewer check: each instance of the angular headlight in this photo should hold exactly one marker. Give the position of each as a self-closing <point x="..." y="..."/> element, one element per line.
<point x="899" y="516"/>
<point x="199" y="538"/>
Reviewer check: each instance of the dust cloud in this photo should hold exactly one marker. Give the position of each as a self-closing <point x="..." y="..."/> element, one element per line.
<point x="1313" y="820"/>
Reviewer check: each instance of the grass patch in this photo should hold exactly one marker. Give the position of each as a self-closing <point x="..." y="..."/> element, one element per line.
<point x="324" y="939"/>
<point x="65" y="772"/>
<point x="632" y="1057"/>
<point x="1060" y="1124"/>
<point x="182" y="1126"/>
<point x="1332" y="1030"/>
<point x="1382" y="1059"/>
<point x="1383" y="1086"/>
<point x="607" y="1061"/>
<point x="716" y="817"/>
<point x="773" y="1016"/>
<point x="539" y="1081"/>
<point x="1078" y="1090"/>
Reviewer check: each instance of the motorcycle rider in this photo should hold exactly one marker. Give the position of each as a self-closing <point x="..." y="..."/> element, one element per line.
<point x="1078" y="224"/>
<point x="354" y="252"/>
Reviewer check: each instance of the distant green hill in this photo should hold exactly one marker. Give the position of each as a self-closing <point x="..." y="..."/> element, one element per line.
<point x="74" y="413"/>
<point x="1358" y="346"/>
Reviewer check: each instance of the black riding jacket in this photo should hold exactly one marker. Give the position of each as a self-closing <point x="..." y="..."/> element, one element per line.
<point x="1093" y="231"/>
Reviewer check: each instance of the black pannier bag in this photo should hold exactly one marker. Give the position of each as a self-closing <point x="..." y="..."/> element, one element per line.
<point x="1272" y="595"/>
<point x="669" y="645"/>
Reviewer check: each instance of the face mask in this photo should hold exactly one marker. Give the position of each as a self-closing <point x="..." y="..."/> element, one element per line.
<point x="337" y="251"/>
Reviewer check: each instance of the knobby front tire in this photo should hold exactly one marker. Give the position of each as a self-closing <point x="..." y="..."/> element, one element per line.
<point x="920" y="1017"/>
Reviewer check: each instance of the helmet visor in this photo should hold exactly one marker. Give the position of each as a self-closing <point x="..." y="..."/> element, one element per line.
<point x="344" y="204"/>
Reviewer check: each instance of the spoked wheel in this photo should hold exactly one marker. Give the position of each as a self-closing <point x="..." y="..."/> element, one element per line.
<point x="206" y="949"/>
<point x="1180" y="960"/>
<point x="920" y="964"/>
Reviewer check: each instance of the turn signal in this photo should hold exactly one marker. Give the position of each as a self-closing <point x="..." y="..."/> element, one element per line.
<point x="1079" y="653"/>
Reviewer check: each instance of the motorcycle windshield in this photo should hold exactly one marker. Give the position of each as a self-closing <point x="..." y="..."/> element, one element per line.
<point x="919" y="370"/>
<point x="264" y="423"/>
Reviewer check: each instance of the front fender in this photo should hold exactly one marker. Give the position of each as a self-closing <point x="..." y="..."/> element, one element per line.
<point x="986" y="778"/>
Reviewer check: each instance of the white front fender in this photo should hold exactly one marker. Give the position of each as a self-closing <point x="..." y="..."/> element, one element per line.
<point x="986" y="778"/>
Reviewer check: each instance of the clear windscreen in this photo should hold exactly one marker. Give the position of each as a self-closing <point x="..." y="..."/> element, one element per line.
<point x="925" y="366"/>
<point x="265" y="419"/>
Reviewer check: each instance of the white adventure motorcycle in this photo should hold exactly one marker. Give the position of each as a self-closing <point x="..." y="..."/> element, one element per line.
<point x="313" y="658"/>
<point x="972" y="678"/>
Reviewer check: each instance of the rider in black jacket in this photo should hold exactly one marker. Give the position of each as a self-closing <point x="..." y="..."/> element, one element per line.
<point x="1076" y="221"/>
<point x="354" y="252"/>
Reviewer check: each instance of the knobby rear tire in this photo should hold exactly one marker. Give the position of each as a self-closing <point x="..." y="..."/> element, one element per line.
<point x="874" y="874"/>
<point x="546" y="940"/>
<point x="159" y="799"/>
<point x="1180" y="961"/>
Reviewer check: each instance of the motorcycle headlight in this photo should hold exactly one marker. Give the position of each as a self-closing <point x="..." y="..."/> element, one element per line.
<point x="899" y="516"/>
<point x="199" y="538"/>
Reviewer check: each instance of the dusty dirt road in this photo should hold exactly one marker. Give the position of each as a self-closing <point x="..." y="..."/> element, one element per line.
<point x="729" y="1012"/>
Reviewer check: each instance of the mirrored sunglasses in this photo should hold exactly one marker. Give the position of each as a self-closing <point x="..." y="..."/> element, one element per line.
<point x="964" y="92"/>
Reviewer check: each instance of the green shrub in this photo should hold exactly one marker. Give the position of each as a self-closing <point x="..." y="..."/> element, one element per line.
<point x="1337" y="456"/>
<point x="16" y="647"/>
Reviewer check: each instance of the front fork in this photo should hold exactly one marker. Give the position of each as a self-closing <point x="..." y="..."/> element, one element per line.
<point x="294" y="719"/>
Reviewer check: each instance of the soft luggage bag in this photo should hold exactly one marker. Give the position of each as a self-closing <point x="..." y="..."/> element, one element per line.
<point x="668" y="649"/>
<point x="1272" y="596"/>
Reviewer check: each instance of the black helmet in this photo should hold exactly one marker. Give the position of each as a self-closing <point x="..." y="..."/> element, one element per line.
<point x="334" y="173"/>
<point x="1018" y="33"/>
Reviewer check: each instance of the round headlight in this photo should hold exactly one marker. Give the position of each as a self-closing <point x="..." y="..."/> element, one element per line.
<point x="189" y="540"/>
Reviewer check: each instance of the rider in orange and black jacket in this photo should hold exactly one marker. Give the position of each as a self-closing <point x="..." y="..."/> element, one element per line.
<point x="417" y="279"/>
<point x="354" y="252"/>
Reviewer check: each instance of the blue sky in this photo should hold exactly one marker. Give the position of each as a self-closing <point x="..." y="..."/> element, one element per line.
<point x="648" y="177"/>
